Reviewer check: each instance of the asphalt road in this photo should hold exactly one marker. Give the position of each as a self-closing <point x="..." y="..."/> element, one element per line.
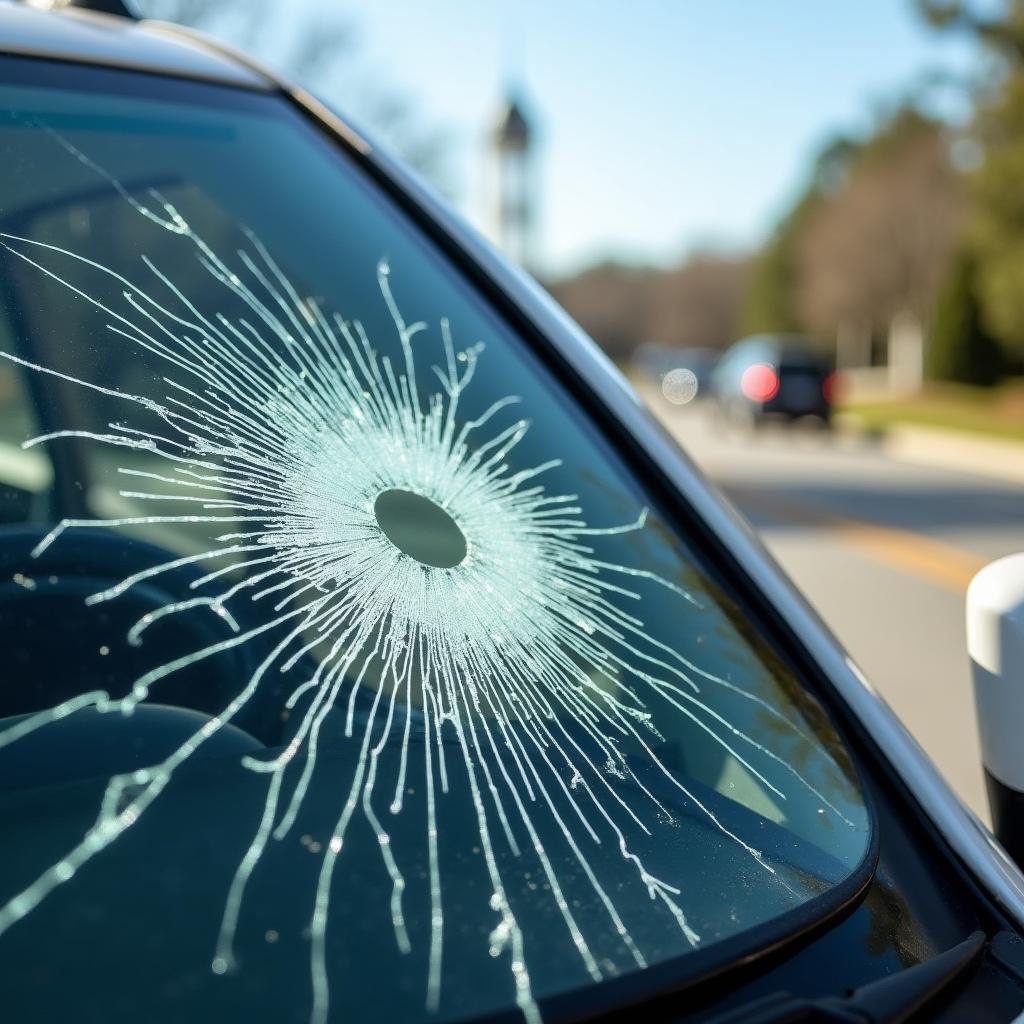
<point x="883" y="549"/>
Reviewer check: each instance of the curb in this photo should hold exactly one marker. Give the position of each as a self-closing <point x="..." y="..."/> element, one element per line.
<point x="946" y="449"/>
<point x="951" y="449"/>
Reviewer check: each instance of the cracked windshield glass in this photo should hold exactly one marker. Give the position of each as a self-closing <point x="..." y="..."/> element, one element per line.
<point x="350" y="671"/>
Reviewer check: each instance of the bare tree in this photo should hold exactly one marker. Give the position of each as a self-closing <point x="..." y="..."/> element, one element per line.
<point x="699" y="303"/>
<point x="878" y="248"/>
<point x="320" y="53"/>
<point x="611" y="302"/>
<point x="622" y="306"/>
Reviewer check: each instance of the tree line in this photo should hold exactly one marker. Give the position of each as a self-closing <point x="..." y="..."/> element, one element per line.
<point x="622" y="306"/>
<point x="915" y="226"/>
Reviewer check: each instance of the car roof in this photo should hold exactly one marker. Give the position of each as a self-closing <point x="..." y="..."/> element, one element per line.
<point x="86" y="37"/>
<point x="780" y="342"/>
<point x="777" y="347"/>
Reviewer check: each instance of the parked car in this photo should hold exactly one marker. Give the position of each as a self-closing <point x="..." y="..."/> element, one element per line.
<point x="369" y="653"/>
<point x="774" y="377"/>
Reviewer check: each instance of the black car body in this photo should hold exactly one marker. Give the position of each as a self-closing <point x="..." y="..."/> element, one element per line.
<point x="771" y="376"/>
<point x="134" y="828"/>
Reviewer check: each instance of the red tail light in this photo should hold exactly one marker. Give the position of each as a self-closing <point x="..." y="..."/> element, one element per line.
<point x="760" y="382"/>
<point x="830" y="387"/>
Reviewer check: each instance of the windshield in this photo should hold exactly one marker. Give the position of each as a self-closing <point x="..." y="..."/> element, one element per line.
<point x="350" y="672"/>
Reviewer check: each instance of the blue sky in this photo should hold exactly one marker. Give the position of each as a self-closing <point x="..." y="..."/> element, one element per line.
<point x="665" y="125"/>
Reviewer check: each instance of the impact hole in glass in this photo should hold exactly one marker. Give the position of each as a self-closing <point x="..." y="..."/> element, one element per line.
<point x="420" y="528"/>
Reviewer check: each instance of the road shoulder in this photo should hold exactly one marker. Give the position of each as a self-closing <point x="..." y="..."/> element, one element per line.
<point x="951" y="449"/>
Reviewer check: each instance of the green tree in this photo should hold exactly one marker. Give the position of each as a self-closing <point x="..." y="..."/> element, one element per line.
<point x="1000" y="27"/>
<point x="996" y="225"/>
<point x="960" y="348"/>
<point x="769" y="303"/>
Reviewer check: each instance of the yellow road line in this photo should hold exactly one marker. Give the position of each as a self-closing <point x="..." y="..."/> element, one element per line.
<point x="932" y="561"/>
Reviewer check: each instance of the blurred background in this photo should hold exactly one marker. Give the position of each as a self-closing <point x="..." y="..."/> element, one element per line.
<point x="843" y="182"/>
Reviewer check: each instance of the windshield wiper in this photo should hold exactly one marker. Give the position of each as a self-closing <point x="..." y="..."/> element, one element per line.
<point x="889" y="1000"/>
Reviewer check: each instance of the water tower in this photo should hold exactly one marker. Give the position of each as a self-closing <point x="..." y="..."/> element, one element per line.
<point x="514" y="198"/>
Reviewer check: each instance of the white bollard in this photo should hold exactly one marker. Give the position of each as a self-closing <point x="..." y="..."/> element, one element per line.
<point x="995" y="643"/>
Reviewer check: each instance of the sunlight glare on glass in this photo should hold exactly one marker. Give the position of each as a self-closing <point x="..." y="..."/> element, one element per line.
<point x="679" y="386"/>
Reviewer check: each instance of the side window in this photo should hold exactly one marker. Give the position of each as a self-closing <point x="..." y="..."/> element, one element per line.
<point x="25" y="474"/>
<point x="75" y="339"/>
